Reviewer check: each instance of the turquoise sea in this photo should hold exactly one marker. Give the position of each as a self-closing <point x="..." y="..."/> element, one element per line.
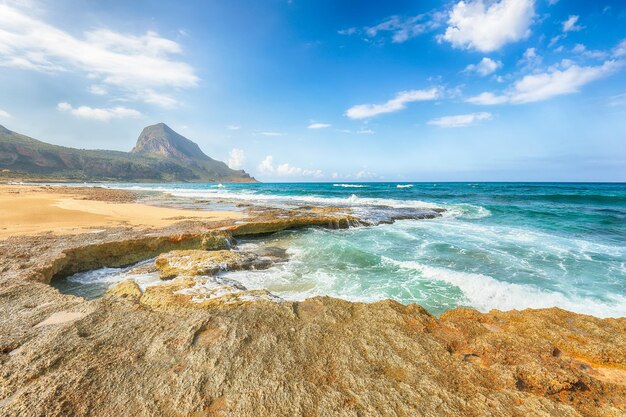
<point x="497" y="246"/>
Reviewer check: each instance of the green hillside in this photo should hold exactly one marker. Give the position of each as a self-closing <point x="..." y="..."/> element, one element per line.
<point x="181" y="161"/>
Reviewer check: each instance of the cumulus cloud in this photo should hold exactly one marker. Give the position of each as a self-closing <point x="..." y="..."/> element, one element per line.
<point x="459" y="120"/>
<point x="4" y="114"/>
<point x="570" y="25"/>
<point x="567" y="78"/>
<point x="487" y="27"/>
<point x="135" y="63"/>
<point x="399" y="102"/>
<point x="318" y="126"/>
<point x="236" y="158"/>
<point x="267" y="167"/>
<point x="485" y="67"/>
<point x="101" y="114"/>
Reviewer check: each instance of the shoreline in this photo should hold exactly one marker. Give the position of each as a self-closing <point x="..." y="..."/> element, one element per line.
<point x="329" y="354"/>
<point x="28" y="209"/>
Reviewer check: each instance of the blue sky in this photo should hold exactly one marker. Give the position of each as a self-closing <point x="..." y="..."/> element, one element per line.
<point x="509" y="90"/>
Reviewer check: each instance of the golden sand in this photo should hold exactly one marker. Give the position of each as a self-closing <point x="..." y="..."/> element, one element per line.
<point x="33" y="209"/>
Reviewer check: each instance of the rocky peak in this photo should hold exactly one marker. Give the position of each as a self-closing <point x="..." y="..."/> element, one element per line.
<point x="4" y="130"/>
<point x="162" y="141"/>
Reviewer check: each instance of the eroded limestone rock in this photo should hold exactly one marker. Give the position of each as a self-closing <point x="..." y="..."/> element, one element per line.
<point x="126" y="289"/>
<point x="200" y="262"/>
<point x="201" y="292"/>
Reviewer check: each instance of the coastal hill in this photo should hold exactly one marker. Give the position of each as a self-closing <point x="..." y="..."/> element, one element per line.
<point x="160" y="155"/>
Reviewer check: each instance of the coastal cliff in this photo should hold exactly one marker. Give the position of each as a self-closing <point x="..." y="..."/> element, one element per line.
<point x="164" y="351"/>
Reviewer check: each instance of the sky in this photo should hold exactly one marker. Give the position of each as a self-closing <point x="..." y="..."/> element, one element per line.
<point x="331" y="90"/>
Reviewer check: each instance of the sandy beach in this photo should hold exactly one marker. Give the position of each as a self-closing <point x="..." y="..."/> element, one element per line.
<point x="34" y="209"/>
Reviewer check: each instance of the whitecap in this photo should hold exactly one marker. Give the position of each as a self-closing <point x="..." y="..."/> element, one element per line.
<point x="350" y="185"/>
<point x="486" y="293"/>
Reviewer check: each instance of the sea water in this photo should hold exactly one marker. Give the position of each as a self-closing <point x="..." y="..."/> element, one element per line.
<point x="497" y="245"/>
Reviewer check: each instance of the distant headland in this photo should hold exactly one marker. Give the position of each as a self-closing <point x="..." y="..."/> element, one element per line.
<point x="160" y="155"/>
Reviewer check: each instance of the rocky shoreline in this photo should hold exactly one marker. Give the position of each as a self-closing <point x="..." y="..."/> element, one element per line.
<point x="169" y="351"/>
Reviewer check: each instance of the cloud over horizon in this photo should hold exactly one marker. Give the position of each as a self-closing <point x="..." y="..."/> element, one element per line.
<point x="267" y="167"/>
<point x="236" y="158"/>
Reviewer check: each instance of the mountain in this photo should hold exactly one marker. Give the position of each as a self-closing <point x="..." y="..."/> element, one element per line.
<point x="161" y="141"/>
<point x="160" y="155"/>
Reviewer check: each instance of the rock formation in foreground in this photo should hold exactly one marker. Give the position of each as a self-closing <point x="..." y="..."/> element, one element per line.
<point x="166" y="351"/>
<point x="160" y="155"/>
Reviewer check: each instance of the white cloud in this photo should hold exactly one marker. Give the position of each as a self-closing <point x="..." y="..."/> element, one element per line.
<point x="460" y="120"/>
<point x="620" y="50"/>
<point x="233" y="127"/>
<point x="555" y="39"/>
<point x="581" y="49"/>
<point x="236" y="158"/>
<point x="130" y="62"/>
<point x="348" y="31"/>
<point x="361" y="131"/>
<point x="399" y="102"/>
<point x="403" y="29"/>
<point x="617" y="100"/>
<point x="4" y="114"/>
<point x="271" y="134"/>
<point x="399" y="28"/>
<point x="487" y="98"/>
<point x="267" y="167"/>
<point x="530" y="59"/>
<point x="365" y="175"/>
<point x="100" y="114"/>
<point x="318" y="126"/>
<point x="559" y="80"/>
<point x="552" y="2"/>
<point x="152" y="97"/>
<point x="98" y="90"/>
<point x="570" y="24"/>
<point x="485" y="67"/>
<point x="488" y="27"/>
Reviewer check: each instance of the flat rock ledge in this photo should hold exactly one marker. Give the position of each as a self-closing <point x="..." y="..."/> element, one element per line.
<point x="170" y="352"/>
<point x="207" y="263"/>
